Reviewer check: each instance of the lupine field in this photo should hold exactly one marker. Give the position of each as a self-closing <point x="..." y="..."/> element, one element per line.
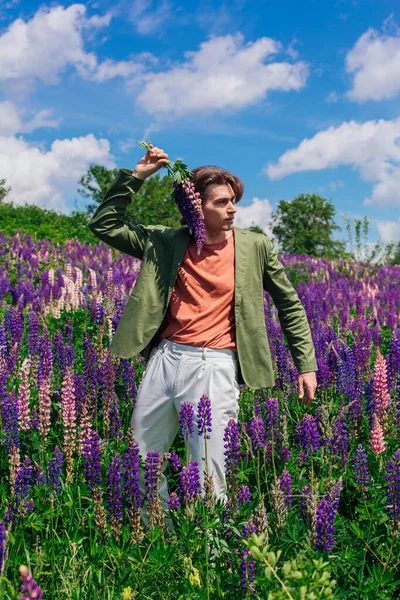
<point x="313" y="506"/>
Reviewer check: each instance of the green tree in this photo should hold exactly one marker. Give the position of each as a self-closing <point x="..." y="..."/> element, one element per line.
<point x="152" y="204"/>
<point x="396" y="255"/>
<point x="305" y="226"/>
<point x="95" y="184"/>
<point x="3" y="190"/>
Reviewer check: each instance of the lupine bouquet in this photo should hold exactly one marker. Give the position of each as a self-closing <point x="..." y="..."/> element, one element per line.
<point x="186" y="197"/>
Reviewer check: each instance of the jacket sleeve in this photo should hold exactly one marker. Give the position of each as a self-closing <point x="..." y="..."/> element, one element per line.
<point x="108" y="222"/>
<point x="292" y="315"/>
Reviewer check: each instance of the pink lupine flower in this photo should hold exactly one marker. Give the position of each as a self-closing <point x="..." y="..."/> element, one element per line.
<point x="381" y="393"/>
<point x="68" y="416"/>
<point x="23" y="396"/>
<point x="44" y="408"/>
<point x="376" y="436"/>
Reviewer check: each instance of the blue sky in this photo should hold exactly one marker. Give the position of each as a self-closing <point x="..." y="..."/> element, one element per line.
<point x="294" y="97"/>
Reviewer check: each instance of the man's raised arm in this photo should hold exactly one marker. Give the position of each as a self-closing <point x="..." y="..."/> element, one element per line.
<point x="108" y="222"/>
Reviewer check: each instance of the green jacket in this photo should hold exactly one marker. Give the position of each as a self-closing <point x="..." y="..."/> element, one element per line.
<point x="161" y="250"/>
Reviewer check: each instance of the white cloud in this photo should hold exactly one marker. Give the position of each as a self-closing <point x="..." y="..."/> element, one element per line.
<point x="374" y="62"/>
<point x="333" y="185"/>
<point x="44" y="47"/>
<point x="371" y="147"/>
<point x="223" y="74"/>
<point x="257" y="213"/>
<point x="42" y="177"/>
<point x="332" y="97"/>
<point x="127" y="145"/>
<point x="147" y="21"/>
<point x="389" y="231"/>
<point x="11" y="120"/>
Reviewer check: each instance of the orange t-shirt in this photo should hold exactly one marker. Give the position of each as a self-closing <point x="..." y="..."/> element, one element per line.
<point x="201" y="310"/>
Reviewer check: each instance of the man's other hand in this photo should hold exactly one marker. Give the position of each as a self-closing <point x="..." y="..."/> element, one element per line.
<point x="309" y="382"/>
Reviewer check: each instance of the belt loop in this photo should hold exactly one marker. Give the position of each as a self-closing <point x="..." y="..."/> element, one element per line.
<point x="204" y="355"/>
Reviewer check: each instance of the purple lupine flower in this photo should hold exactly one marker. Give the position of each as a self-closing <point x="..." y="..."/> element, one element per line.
<point x="175" y="462"/>
<point x="128" y="379"/>
<point x="231" y="445"/>
<point x="244" y="494"/>
<point x="257" y="405"/>
<point x="333" y="496"/>
<point x="29" y="588"/>
<point x="271" y="416"/>
<point x="397" y="405"/>
<point x="173" y="501"/>
<point x="131" y="476"/>
<point x="369" y="401"/>
<point x="325" y="528"/>
<point x="54" y="470"/>
<point x="91" y="460"/>
<point x="326" y="512"/>
<point x="38" y="476"/>
<point x="249" y="528"/>
<point x="22" y="488"/>
<point x="114" y="489"/>
<point x="257" y="434"/>
<point x="189" y="203"/>
<point x="33" y="333"/>
<point x="204" y="416"/>
<point x="150" y="476"/>
<point x="3" y="541"/>
<point x="361" y="477"/>
<point x="46" y="359"/>
<point x="59" y="352"/>
<point x="339" y="442"/>
<point x="90" y="369"/>
<point x="247" y="572"/>
<point x="393" y="489"/>
<point x="190" y="486"/>
<point x="10" y="421"/>
<point x="310" y="438"/>
<point x="186" y="417"/>
<point x="285" y="484"/>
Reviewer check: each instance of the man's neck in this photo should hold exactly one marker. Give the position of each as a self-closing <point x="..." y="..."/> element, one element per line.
<point x="219" y="237"/>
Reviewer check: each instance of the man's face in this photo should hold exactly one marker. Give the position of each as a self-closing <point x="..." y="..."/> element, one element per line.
<point x="218" y="208"/>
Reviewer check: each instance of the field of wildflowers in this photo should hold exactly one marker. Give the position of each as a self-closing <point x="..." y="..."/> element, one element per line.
<point x="313" y="505"/>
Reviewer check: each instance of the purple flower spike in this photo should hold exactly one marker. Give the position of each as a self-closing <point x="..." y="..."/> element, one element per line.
<point x="244" y="494"/>
<point x="173" y="501"/>
<point x="175" y="462"/>
<point x="204" y="416"/>
<point x="54" y="471"/>
<point x="257" y="434"/>
<point x="186" y="417"/>
<point x="361" y="477"/>
<point x="3" y="540"/>
<point x="231" y="445"/>
<point x="325" y="529"/>
<point x="91" y="460"/>
<point x="285" y="484"/>
<point x="131" y="476"/>
<point x="30" y="588"/>
<point x="190" y="486"/>
<point x="150" y="476"/>
<point x="393" y="489"/>
<point x="114" y="489"/>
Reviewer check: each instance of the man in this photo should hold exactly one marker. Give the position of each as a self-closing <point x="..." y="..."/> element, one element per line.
<point x="199" y="320"/>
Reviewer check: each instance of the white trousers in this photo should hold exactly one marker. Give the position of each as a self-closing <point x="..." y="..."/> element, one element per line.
<point x="176" y="373"/>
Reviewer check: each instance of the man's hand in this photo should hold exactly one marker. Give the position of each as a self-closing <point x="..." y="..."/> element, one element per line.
<point x="308" y="381"/>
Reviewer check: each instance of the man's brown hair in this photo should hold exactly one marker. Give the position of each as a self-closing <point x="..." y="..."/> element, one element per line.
<point x="208" y="175"/>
